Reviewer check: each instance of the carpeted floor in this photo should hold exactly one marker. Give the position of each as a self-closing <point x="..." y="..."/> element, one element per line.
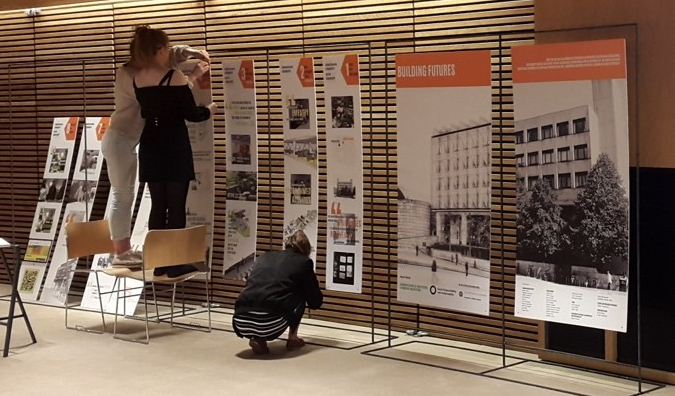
<point x="186" y="362"/>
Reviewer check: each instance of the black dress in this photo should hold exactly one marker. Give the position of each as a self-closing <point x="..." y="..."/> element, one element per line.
<point x="164" y="153"/>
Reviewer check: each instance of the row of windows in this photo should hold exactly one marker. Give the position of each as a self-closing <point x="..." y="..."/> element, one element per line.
<point x="548" y="157"/>
<point x="444" y="145"/>
<point x="564" y="180"/>
<point x="443" y="184"/>
<point x="462" y="201"/>
<point x="475" y="162"/>
<point x="579" y="125"/>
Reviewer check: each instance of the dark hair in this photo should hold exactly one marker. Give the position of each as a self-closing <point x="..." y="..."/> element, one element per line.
<point x="145" y="44"/>
<point x="299" y="243"/>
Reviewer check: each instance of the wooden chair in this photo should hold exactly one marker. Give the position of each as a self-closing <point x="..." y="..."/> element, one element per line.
<point x="83" y="240"/>
<point x="164" y="248"/>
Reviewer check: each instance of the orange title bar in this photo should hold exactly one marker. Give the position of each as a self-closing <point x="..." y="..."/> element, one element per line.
<point x="443" y="69"/>
<point x="585" y="60"/>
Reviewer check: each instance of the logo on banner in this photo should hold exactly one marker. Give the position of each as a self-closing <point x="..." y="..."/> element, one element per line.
<point x="306" y="72"/>
<point x="70" y="128"/>
<point x="102" y="127"/>
<point x="246" y="74"/>
<point x="350" y="69"/>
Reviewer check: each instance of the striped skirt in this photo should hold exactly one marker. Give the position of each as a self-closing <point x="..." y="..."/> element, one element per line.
<point x="261" y="325"/>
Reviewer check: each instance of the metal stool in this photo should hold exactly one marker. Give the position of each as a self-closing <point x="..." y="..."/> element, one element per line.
<point x="8" y="321"/>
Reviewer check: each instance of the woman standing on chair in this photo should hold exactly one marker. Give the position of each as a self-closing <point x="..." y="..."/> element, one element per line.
<point x="165" y="155"/>
<point x="276" y="292"/>
<point x="119" y="143"/>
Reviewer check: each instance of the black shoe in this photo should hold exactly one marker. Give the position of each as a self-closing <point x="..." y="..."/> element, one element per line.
<point x="180" y="270"/>
<point x="160" y="271"/>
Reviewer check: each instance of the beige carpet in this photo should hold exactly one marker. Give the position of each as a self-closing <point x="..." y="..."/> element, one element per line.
<point x="185" y="362"/>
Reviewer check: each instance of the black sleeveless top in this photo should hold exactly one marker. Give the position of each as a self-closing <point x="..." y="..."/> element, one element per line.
<point x="164" y="153"/>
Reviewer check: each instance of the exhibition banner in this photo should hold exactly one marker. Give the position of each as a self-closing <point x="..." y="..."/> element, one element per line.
<point x="444" y="106"/>
<point x="242" y="168"/>
<point x="572" y="156"/>
<point x="50" y="202"/>
<point x="301" y="176"/>
<point x="344" y="167"/>
<point x="200" y="200"/>
<point x="81" y="196"/>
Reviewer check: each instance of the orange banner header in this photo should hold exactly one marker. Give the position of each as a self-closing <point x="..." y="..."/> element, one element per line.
<point x="443" y="69"/>
<point x="585" y="60"/>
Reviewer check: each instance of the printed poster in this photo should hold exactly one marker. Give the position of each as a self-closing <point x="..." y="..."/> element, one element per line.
<point x="301" y="176"/>
<point x="80" y="198"/>
<point x="571" y="131"/>
<point x="200" y="200"/>
<point x="57" y="282"/>
<point x="242" y="168"/>
<point x="444" y="167"/>
<point x="50" y="202"/>
<point x="344" y="165"/>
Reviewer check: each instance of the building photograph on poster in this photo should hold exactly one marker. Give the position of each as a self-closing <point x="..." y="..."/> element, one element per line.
<point x="444" y="179"/>
<point x="298" y="113"/>
<point x="241" y="149"/>
<point x="301" y="189"/>
<point x="45" y="221"/>
<point x="302" y="222"/>
<point x="572" y="190"/>
<point x="573" y="207"/>
<point x="449" y="229"/>
<point x="52" y="190"/>
<point x="58" y="159"/>
<point x="303" y="149"/>
<point x="82" y="190"/>
<point x="242" y="186"/>
<point x="240" y="239"/>
<point x="342" y="111"/>
<point x="89" y="161"/>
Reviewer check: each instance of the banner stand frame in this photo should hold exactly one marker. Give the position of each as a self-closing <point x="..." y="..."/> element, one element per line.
<point x="504" y="343"/>
<point x="267" y="54"/>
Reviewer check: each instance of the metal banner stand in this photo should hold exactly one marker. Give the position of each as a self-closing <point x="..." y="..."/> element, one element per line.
<point x="503" y="344"/>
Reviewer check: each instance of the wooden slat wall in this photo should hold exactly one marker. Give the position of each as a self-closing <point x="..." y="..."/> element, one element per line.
<point x="266" y="30"/>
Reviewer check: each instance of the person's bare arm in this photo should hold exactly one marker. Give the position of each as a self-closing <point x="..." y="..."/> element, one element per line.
<point x="181" y="53"/>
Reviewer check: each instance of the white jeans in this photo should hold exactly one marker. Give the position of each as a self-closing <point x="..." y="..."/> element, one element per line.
<point x="118" y="151"/>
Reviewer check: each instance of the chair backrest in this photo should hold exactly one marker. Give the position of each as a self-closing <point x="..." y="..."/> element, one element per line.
<point x="163" y="248"/>
<point x="88" y="238"/>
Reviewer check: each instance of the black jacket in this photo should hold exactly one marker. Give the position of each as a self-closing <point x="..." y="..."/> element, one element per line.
<point x="279" y="283"/>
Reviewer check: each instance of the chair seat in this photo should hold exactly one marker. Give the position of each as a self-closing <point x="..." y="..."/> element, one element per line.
<point x="149" y="276"/>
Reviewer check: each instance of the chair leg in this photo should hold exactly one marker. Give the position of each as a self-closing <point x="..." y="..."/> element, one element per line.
<point x="100" y="302"/>
<point x="124" y="302"/>
<point x="173" y="300"/>
<point x="117" y="305"/>
<point x="154" y="297"/>
<point x="208" y="301"/>
<point x="147" y="319"/>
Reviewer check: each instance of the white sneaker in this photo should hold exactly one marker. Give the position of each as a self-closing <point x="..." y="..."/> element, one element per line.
<point x="129" y="259"/>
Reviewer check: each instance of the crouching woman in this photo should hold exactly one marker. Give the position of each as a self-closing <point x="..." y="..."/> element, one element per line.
<point x="276" y="292"/>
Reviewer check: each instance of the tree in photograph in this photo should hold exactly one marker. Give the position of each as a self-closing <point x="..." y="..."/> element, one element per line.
<point x="540" y="227"/>
<point x="600" y="230"/>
